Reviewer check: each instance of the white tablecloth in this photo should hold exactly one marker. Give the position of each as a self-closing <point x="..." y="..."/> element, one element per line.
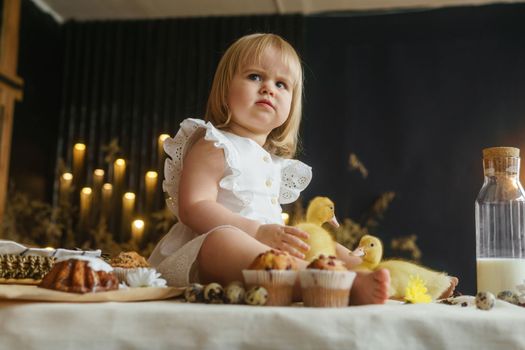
<point x="175" y="325"/>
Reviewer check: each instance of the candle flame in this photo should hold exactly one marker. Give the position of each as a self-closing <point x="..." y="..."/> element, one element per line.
<point x="120" y="162"/>
<point x="80" y="146"/>
<point x="129" y="195"/>
<point x="107" y="187"/>
<point x="99" y="172"/>
<point x="151" y="174"/>
<point x="163" y="137"/>
<point x="67" y="176"/>
<point x="286" y="218"/>
<point x="86" y="190"/>
<point x="138" y="223"/>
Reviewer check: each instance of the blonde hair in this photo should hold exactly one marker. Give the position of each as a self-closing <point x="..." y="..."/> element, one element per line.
<point x="281" y="141"/>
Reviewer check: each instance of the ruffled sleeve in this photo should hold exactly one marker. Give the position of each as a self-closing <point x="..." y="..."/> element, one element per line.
<point x="295" y="177"/>
<point x="177" y="147"/>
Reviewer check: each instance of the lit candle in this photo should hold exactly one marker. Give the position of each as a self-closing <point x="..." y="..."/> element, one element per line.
<point x="107" y="194"/>
<point x="151" y="186"/>
<point x="65" y="187"/>
<point x="119" y="170"/>
<point x="85" y="206"/>
<point x="286" y="218"/>
<point x="137" y="230"/>
<point x="98" y="180"/>
<point x="128" y="204"/>
<point x="162" y="138"/>
<point x="79" y="152"/>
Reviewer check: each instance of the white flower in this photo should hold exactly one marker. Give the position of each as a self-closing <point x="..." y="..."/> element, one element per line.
<point x="144" y="277"/>
<point x="159" y="282"/>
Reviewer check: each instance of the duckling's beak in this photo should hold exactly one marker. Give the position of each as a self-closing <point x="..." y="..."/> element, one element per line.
<point x="333" y="222"/>
<point x="359" y="251"/>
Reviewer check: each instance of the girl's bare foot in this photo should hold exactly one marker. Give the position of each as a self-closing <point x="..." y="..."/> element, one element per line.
<point x="450" y="290"/>
<point x="370" y="288"/>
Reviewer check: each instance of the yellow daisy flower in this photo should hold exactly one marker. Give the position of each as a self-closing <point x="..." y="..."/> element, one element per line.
<point x="416" y="291"/>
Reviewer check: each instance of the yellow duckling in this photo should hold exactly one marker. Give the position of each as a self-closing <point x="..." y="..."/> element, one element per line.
<point x="320" y="210"/>
<point x="370" y="249"/>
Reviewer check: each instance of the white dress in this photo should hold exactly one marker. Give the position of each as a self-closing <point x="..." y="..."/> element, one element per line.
<point x="254" y="185"/>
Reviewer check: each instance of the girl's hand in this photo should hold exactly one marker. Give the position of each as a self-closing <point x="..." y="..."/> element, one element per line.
<point x="286" y="238"/>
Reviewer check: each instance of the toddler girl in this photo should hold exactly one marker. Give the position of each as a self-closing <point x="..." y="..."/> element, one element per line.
<point x="228" y="175"/>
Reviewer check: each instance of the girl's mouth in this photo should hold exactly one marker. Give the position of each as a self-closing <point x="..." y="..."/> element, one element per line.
<point x="265" y="103"/>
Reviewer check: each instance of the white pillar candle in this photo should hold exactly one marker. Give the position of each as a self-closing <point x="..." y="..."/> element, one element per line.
<point x="98" y="180"/>
<point x="107" y="196"/>
<point x="151" y="186"/>
<point x="162" y="138"/>
<point x="137" y="230"/>
<point x="86" y="196"/>
<point x="119" y="170"/>
<point x="128" y="204"/>
<point x="79" y="152"/>
<point x="65" y="187"/>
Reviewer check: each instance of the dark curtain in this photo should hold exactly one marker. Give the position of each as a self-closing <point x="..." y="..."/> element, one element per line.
<point x="33" y="145"/>
<point x="135" y="80"/>
<point x="416" y="96"/>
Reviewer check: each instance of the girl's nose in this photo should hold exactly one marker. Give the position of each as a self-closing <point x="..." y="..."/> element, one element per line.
<point x="267" y="89"/>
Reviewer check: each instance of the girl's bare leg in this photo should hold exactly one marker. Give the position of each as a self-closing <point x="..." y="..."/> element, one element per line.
<point x="227" y="251"/>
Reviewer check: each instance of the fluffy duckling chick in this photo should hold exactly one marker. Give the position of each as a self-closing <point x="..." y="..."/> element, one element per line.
<point x="320" y="210"/>
<point x="370" y="249"/>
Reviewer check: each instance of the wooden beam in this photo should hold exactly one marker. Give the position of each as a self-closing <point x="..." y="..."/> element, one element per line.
<point x="10" y="88"/>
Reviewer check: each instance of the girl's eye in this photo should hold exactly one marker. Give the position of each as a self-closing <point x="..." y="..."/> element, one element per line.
<point x="281" y="85"/>
<point x="254" y="77"/>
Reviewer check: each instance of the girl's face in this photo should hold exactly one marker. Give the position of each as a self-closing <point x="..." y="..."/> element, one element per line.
<point x="260" y="97"/>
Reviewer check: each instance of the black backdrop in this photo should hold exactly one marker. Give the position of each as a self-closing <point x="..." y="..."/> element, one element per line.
<point x="416" y="95"/>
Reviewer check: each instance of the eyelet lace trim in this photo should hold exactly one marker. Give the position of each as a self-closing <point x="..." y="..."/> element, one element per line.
<point x="176" y="148"/>
<point x="295" y="176"/>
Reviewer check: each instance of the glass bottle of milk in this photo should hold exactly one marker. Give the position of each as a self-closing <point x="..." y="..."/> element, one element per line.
<point x="500" y="222"/>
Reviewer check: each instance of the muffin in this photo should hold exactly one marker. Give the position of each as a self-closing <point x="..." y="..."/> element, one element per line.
<point x="276" y="271"/>
<point x="127" y="262"/>
<point x="326" y="282"/>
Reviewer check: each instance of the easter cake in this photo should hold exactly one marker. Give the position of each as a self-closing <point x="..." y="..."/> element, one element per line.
<point x="80" y="274"/>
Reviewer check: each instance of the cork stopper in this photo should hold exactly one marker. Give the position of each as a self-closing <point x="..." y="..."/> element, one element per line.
<point x="501" y="152"/>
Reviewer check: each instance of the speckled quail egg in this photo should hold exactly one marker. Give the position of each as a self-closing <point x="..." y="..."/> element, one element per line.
<point x="508" y="296"/>
<point x="256" y="296"/>
<point x="485" y="300"/>
<point x="214" y="293"/>
<point x="194" y="293"/>
<point x="235" y="292"/>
